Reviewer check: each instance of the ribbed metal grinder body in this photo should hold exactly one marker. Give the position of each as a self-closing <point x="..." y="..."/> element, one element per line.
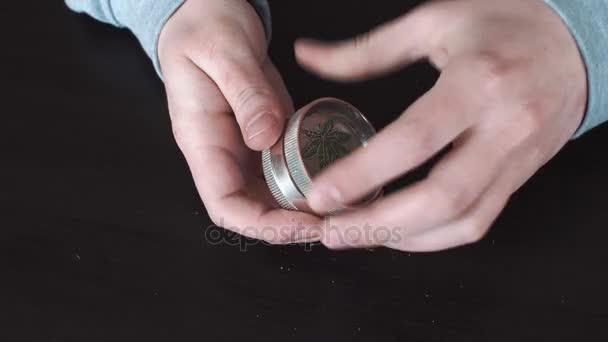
<point x="271" y="180"/>
<point x="293" y="155"/>
<point x="285" y="168"/>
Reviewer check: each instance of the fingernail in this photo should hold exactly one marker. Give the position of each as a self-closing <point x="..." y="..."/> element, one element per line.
<point x="325" y="199"/>
<point x="259" y="124"/>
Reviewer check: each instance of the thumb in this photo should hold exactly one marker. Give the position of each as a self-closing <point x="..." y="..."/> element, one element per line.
<point x="379" y="51"/>
<point x="259" y="110"/>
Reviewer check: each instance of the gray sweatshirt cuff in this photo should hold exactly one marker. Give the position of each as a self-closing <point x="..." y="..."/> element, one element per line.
<point x="146" y="18"/>
<point x="588" y="22"/>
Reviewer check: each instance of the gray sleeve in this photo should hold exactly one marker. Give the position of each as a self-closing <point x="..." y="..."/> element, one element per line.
<point x="146" y="18"/>
<point x="588" y="22"/>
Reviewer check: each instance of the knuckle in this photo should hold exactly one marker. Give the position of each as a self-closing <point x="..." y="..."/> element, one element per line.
<point x="449" y="201"/>
<point x="356" y="167"/>
<point x="474" y="232"/>
<point x="216" y="217"/>
<point x="248" y="95"/>
<point x="185" y="133"/>
<point x="532" y="117"/>
<point x="494" y="74"/>
<point x="213" y="50"/>
<point x="424" y="137"/>
<point x="192" y="143"/>
<point x="217" y="52"/>
<point x="188" y="107"/>
<point x="455" y="202"/>
<point x="421" y="139"/>
<point x="213" y="46"/>
<point x="179" y="129"/>
<point x="208" y="49"/>
<point x="529" y="122"/>
<point x="363" y="68"/>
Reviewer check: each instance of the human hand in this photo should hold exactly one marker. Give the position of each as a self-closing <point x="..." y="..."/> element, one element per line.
<point x="511" y="93"/>
<point x="226" y="101"/>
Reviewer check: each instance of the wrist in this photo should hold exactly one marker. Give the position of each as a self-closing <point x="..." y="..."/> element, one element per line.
<point x="583" y="18"/>
<point x="130" y="14"/>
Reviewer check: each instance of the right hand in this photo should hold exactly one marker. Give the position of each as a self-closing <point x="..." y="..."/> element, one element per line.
<point x="227" y="101"/>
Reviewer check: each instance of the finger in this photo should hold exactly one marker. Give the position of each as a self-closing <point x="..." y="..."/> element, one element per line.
<point x="452" y="187"/>
<point x="476" y="222"/>
<point x="205" y="130"/>
<point x="254" y="101"/>
<point x="425" y="128"/>
<point x="385" y="48"/>
<point x="470" y="228"/>
<point x="249" y="217"/>
<point x="276" y="80"/>
<point x="209" y="139"/>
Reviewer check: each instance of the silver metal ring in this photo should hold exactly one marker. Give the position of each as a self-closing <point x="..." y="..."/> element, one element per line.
<point x="315" y="136"/>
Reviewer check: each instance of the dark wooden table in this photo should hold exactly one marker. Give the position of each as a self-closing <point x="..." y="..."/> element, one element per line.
<point x="102" y="232"/>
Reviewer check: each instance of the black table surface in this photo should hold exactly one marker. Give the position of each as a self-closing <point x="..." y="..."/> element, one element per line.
<point x="102" y="234"/>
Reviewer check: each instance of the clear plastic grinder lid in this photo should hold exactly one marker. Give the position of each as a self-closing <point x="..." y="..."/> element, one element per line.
<point x="316" y="136"/>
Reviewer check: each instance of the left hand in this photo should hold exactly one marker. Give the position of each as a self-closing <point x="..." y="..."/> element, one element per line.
<point x="227" y="101"/>
<point x="512" y="92"/>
